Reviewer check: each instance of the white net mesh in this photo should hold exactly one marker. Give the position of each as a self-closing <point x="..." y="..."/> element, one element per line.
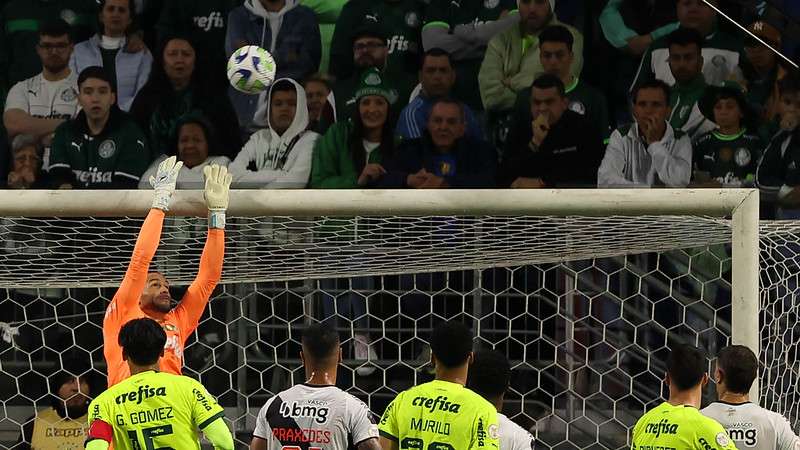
<point x="586" y="318"/>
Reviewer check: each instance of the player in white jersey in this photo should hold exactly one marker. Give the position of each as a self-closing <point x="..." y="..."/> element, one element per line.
<point x="749" y="425"/>
<point x="488" y="376"/>
<point x="316" y="415"/>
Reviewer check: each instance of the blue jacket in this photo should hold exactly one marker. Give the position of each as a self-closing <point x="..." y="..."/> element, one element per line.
<point x="414" y="119"/>
<point x="132" y="69"/>
<point x="291" y="36"/>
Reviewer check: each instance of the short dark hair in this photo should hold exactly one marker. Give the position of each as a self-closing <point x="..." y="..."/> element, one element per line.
<point x="436" y="52"/>
<point x="685" y="36"/>
<point x="98" y="73"/>
<point x="489" y="374"/>
<point x="549" y="81"/>
<point x="55" y="28"/>
<point x="142" y="340"/>
<point x="319" y="78"/>
<point x="652" y="84"/>
<point x="739" y="366"/>
<point x="283" y="86"/>
<point x="451" y="101"/>
<point x="451" y="343"/>
<point x="557" y="33"/>
<point x="686" y="365"/>
<point x="320" y="341"/>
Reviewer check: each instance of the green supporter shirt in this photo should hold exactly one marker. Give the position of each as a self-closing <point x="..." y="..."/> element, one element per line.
<point x="401" y="20"/>
<point x="114" y="159"/>
<point x="153" y="410"/>
<point x="731" y="160"/>
<point x="451" y="13"/>
<point x="19" y="32"/>
<point x="668" y="427"/>
<point x="440" y="415"/>
<point x="332" y="166"/>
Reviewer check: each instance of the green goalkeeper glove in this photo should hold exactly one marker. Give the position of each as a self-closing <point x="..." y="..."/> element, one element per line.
<point x="218" y="184"/>
<point x="164" y="182"/>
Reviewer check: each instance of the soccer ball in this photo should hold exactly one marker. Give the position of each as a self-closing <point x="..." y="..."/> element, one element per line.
<point x="251" y="69"/>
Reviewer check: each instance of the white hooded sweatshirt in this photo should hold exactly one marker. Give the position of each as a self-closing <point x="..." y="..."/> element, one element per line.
<point x="272" y="161"/>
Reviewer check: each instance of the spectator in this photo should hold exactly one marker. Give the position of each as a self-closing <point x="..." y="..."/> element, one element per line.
<point x="278" y="156"/>
<point x="722" y="53"/>
<point x="556" y="54"/>
<point x="128" y="70"/>
<point x="778" y="171"/>
<point x="727" y="156"/>
<point x="649" y="152"/>
<point x="26" y="169"/>
<point x="196" y="145"/>
<point x="513" y="59"/>
<point x="102" y="148"/>
<point x="175" y="88"/>
<point x="548" y="152"/>
<point x="463" y="29"/>
<point x="39" y="104"/>
<point x="318" y="89"/>
<point x="401" y="23"/>
<point x="444" y="157"/>
<point x="762" y="70"/>
<point x="437" y="77"/>
<point x="327" y="12"/>
<point x="686" y="64"/>
<point x="646" y="22"/>
<point x="64" y="423"/>
<point x="351" y="153"/>
<point x="21" y="24"/>
<point x="287" y="30"/>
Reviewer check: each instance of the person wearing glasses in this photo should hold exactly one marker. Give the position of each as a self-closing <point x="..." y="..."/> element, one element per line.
<point x="38" y="105"/>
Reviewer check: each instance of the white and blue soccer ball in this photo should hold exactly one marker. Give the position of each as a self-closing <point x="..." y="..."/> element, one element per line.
<point x="251" y="69"/>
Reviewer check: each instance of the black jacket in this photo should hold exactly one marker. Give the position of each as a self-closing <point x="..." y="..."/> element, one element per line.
<point x="569" y="156"/>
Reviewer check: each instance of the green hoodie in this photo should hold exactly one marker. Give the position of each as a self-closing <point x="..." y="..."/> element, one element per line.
<point x="332" y="167"/>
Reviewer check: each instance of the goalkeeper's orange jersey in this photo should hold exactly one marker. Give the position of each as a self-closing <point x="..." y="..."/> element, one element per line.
<point x="178" y="323"/>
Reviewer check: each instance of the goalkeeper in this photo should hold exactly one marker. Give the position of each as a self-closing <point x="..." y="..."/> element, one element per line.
<point x="146" y="294"/>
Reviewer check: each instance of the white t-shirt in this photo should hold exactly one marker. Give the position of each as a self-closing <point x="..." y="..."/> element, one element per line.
<point x="47" y="99"/>
<point x="369" y="147"/>
<point x="513" y="436"/>
<point x="752" y="427"/>
<point x="315" y="416"/>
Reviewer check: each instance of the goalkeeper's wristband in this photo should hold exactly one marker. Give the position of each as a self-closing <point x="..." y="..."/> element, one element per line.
<point x="216" y="219"/>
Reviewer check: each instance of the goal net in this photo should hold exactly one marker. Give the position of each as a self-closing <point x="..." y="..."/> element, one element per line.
<point x="584" y="291"/>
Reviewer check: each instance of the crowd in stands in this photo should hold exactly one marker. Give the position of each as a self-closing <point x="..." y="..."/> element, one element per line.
<point x="405" y="94"/>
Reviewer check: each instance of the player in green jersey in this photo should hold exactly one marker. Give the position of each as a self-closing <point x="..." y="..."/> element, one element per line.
<point x="442" y="414"/>
<point x="677" y="423"/>
<point x="152" y="409"/>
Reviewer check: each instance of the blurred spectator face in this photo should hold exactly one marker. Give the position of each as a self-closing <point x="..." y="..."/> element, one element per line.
<point x="54" y="52"/>
<point x="115" y="17"/>
<point x="727" y="113"/>
<point x="283" y="106"/>
<point x="374" y="111"/>
<point x="74" y="392"/>
<point x="446" y="125"/>
<point x="548" y="102"/>
<point x="534" y="14"/>
<point x="369" y="51"/>
<point x="316" y="96"/>
<point x="192" y="145"/>
<point x="26" y="159"/>
<point x="437" y="76"/>
<point x="697" y="15"/>
<point x="685" y="62"/>
<point x="556" y="58"/>
<point x="651" y="104"/>
<point x="790" y="110"/>
<point x="179" y="58"/>
<point x="156" y="293"/>
<point x="762" y="58"/>
<point x="96" y="98"/>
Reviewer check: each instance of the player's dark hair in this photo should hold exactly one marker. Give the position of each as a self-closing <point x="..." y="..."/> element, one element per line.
<point x="557" y="33"/>
<point x="451" y="343"/>
<point x="549" y="81"/>
<point x="55" y="28"/>
<point x="686" y="366"/>
<point x="436" y="52"/>
<point x="685" y="36"/>
<point x="142" y="340"/>
<point x="97" y="73"/>
<point x="652" y="84"/>
<point x="489" y="374"/>
<point x="739" y="366"/>
<point x="320" y="341"/>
